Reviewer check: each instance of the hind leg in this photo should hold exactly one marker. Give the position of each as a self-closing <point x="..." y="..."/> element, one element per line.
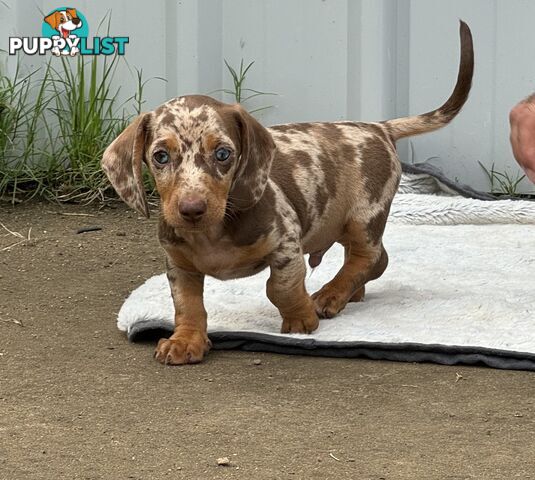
<point x="365" y="260"/>
<point x="376" y="272"/>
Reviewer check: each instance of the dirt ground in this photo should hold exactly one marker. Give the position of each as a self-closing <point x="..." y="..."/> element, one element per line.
<point x="77" y="401"/>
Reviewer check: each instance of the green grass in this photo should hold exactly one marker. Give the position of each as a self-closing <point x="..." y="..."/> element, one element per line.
<point x="86" y="113"/>
<point x="239" y="93"/>
<point x="23" y="101"/>
<point x="56" y="122"/>
<point x="502" y="183"/>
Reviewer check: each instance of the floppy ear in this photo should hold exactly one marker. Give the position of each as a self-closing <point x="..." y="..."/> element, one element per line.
<point x="256" y="156"/>
<point x="72" y="11"/>
<point x="53" y="19"/>
<point x="123" y="160"/>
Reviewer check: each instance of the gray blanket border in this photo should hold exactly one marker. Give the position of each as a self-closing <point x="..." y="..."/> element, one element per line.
<point x="397" y="352"/>
<point x="460" y="188"/>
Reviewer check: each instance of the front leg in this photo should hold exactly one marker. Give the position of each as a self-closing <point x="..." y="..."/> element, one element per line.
<point x="189" y="342"/>
<point x="286" y="290"/>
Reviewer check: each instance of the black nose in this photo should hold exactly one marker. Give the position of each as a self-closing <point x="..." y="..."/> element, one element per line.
<point x="192" y="209"/>
<point x="76" y="21"/>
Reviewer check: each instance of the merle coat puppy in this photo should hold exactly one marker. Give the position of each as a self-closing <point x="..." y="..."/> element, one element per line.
<point x="237" y="197"/>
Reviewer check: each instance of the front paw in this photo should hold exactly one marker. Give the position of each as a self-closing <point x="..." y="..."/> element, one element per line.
<point x="300" y="324"/>
<point x="185" y="346"/>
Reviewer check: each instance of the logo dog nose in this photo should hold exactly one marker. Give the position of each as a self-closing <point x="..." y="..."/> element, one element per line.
<point x="192" y="208"/>
<point x="76" y="21"/>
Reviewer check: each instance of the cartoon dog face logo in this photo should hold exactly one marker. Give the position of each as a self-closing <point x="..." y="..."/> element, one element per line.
<point x="65" y="22"/>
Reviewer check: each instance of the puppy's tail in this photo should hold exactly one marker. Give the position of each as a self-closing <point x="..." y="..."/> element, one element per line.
<point x="427" y="122"/>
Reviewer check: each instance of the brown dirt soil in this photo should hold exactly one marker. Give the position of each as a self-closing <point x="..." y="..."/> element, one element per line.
<point x="77" y="401"/>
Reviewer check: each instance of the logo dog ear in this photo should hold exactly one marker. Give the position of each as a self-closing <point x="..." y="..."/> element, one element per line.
<point x="256" y="156"/>
<point x="53" y="19"/>
<point x="72" y="12"/>
<point x="123" y="160"/>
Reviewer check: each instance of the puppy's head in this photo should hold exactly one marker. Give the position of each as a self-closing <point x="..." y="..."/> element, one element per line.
<point x="206" y="157"/>
<point x="64" y="21"/>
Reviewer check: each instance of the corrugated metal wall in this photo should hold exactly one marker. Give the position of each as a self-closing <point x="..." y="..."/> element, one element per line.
<point x="331" y="60"/>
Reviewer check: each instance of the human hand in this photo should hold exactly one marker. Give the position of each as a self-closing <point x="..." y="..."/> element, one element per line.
<point x="522" y="120"/>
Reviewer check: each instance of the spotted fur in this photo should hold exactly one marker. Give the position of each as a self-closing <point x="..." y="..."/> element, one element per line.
<point x="284" y="192"/>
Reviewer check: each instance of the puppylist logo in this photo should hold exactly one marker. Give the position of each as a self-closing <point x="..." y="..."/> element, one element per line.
<point x="65" y="31"/>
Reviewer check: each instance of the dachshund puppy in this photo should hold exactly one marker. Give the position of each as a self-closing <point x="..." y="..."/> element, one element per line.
<point x="237" y="197"/>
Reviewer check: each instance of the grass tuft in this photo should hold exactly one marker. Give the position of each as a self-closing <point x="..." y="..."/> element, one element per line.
<point x="502" y="183"/>
<point x="239" y="93"/>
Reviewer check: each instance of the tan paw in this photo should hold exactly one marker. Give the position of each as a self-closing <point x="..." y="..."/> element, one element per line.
<point x="300" y="324"/>
<point x="329" y="302"/>
<point x="186" y="346"/>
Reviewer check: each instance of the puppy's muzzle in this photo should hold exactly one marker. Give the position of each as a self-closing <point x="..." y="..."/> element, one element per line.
<point x="76" y="21"/>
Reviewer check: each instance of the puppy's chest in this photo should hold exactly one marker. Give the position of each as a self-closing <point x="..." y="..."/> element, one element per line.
<point x="222" y="259"/>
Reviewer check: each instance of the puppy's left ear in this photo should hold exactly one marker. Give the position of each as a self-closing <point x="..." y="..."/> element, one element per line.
<point x="53" y="19"/>
<point x="72" y="11"/>
<point x="256" y="156"/>
<point x="123" y="160"/>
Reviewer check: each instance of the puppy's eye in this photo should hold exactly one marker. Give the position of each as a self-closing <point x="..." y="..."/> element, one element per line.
<point x="161" y="157"/>
<point x="222" y="154"/>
